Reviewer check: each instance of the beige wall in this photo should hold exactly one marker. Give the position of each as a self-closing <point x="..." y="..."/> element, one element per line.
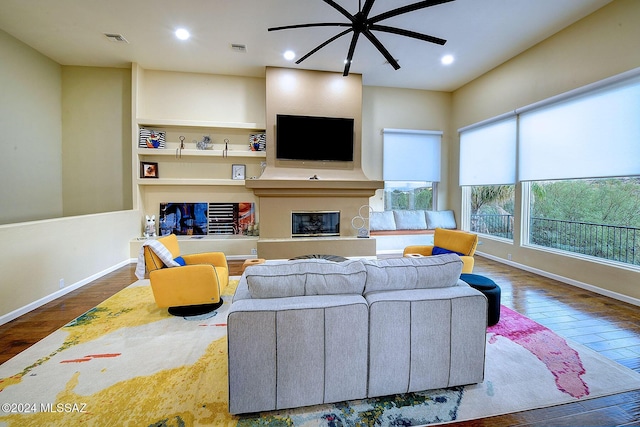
<point x="315" y="93"/>
<point x="384" y="107"/>
<point x="96" y="149"/>
<point x="601" y="45"/>
<point x="31" y="134"/>
<point x="37" y="254"/>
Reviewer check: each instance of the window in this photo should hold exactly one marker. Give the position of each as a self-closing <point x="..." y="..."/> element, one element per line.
<point x="411" y="168"/>
<point x="576" y="158"/>
<point x="492" y="210"/>
<point x="487" y="174"/>
<point x="593" y="217"/>
<point x="412" y="195"/>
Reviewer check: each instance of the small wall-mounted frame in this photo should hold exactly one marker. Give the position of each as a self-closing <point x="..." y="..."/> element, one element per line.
<point x="238" y="171"/>
<point x="149" y="170"/>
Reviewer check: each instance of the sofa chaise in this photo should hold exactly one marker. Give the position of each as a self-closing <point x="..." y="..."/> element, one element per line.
<point x="308" y="332"/>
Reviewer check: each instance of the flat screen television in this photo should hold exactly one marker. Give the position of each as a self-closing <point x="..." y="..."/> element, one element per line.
<point x="314" y="138"/>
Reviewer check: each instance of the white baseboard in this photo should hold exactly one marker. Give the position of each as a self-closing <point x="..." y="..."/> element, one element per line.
<point x="42" y="301"/>
<point x="568" y="281"/>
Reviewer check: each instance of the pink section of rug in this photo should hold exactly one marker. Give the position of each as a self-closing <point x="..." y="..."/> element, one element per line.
<point x="552" y="350"/>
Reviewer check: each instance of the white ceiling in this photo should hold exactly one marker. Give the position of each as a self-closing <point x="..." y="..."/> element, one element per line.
<point x="481" y="34"/>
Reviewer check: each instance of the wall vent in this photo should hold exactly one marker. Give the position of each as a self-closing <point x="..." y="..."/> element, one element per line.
<point x="116" y="38"/>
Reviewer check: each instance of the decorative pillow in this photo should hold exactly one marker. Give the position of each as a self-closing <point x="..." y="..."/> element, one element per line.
<point x="180" y="261"/>
<point x="438" y="271"/>
<point x="440" y="219"/>
<point x="305" y="277"/>
<point x="437" y="250"/>
<point x="382" y="221"/>
<point x="410" y="220"/>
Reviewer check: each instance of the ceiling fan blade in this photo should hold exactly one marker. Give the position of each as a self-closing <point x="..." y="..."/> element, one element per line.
<point x="352" y="49"/>
<point x="367" y="7"/>
<point x="407" y="33"/>
<point x="320" y="46"/>
<point x="406" y="9"/>
<point x="340" y="9"/>
<point x="374" y="40"/>
<point x="322" y="24"/>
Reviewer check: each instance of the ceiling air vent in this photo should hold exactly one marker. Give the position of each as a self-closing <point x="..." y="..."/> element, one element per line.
<point x="242" y="48"/>
<point x="116" y="38"/>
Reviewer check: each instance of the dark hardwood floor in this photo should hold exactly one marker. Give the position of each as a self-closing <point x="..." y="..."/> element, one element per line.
<point x="608" y="326"/>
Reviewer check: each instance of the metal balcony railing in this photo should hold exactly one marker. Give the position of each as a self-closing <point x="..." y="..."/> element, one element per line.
<point x="611" y="242"/>
<point x="494" y="225"/>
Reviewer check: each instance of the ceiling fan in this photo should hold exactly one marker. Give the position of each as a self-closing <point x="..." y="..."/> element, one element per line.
<point x="360" y="23"/>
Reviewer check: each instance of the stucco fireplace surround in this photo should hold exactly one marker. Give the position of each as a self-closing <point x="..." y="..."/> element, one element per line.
<point x="278" y="199"/>
<point x="293" y="186"/>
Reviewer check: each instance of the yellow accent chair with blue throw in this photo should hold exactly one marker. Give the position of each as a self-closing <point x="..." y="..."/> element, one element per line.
<point x="190" y="284"/>
<point x="447" y="241"/>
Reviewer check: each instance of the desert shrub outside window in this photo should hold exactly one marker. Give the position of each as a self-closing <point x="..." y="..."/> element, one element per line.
<point x="412" y="195"/>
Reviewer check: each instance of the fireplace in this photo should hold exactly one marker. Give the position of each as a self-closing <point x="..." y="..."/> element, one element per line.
<point x="315" y="223"/>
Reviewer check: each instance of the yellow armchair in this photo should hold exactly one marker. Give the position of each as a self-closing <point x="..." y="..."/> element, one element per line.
<point x="457" y="241"/>
<point x="192" y="289"/>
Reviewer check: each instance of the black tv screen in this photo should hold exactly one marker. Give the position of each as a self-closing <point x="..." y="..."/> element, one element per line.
<point x="314" y="138"/>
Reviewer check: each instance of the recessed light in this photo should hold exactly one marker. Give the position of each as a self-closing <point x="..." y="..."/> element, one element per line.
<point x="182" y="34"/>
<point x="447" y="60"/>
<point x="289" y="55"/>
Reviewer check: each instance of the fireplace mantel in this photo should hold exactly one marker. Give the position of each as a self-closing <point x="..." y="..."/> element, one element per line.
<point x="313" y="187"/>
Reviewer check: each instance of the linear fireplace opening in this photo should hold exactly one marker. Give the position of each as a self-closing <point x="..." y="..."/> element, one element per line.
<point x="315" y="223"/>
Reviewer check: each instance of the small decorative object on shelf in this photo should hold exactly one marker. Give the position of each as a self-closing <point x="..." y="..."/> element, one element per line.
<point x="150" y="226"/>
<point x="360" y="221"/>
<point x="238" y="171"/>
<point x="205" y="144"/>
<point x="149" y="170"/>
<point x="151" y="138"/>
<point x="253" y="230"/>
<point x="257" y="142"/>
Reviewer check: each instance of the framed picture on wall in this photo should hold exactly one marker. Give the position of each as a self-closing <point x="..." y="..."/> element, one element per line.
<point x="238" y="171"/>
<point x="148" y="170"/>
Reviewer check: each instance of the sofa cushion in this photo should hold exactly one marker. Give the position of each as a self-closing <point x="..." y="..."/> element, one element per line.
<point x="382" y="221"/>
<point x="438" y="271"/>
<point x="410" y="220"/>
<point x="440" y="219"/>
<point x="305" y="277"/>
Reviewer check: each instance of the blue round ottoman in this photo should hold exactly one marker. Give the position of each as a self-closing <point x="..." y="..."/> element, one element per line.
<point x="489" y="288"/>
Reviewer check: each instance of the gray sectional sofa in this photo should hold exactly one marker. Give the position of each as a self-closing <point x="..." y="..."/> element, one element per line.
<point x="308" y="332"/>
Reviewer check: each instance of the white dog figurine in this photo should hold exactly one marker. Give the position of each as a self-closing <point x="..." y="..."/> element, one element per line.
<point x="150" y="227"/>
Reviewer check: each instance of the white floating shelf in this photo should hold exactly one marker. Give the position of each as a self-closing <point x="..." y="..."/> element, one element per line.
<point x="201" y="124"/>
<point x="205" y="153"/>
<point x="187" y="181"/>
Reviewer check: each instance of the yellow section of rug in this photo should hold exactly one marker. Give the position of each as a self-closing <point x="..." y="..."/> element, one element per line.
<point x="183" y="394"/>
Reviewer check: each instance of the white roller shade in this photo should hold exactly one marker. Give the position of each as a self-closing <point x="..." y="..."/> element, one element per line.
<point x="588" y="136"/>
<point x="488" y="153"/>
<point x="411" y="155"/>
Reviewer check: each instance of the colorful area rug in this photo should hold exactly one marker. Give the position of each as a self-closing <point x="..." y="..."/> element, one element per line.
<point x="127" y="362"/>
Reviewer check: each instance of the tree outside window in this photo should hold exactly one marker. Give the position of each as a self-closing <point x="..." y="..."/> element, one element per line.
<point x="492" y="210"/>
<point x="411" y="195"/>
